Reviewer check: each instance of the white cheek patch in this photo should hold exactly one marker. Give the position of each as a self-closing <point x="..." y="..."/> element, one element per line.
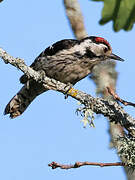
<point x="98" y="49"/>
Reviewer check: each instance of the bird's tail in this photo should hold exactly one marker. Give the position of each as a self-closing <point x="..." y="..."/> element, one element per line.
<point x="19" y="103"/>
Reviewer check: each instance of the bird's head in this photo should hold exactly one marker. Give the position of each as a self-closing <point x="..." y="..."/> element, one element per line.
<point x="98" y="48"/>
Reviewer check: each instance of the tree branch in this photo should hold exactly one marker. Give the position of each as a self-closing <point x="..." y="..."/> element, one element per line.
<point x="55" y="165"/>
<point x="75" y="17"/>
<point x="109" y="109"/>
<point x="116" y="97"/>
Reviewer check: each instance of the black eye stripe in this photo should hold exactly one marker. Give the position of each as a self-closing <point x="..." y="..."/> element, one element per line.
<point x="89" y="54"/>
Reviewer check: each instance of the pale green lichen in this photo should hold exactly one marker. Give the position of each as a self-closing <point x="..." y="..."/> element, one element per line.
<point x="126" y="150"/>
<point x="88" y="116"/>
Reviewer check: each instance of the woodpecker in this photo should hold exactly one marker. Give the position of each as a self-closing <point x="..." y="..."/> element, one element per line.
<point x="67" y="61"/>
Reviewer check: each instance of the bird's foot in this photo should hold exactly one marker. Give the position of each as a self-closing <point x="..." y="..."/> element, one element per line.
<point x="68" y="87"/>
<point x="42" y="74"/>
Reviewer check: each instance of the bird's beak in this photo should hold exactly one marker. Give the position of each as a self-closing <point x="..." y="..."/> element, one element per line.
<point x="115" y="57"/>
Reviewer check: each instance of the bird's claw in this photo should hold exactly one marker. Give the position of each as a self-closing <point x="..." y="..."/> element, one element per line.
<point x="68" y="87"/>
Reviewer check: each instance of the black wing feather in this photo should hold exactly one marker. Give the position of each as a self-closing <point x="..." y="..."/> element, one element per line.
<point x="59" y="46"/>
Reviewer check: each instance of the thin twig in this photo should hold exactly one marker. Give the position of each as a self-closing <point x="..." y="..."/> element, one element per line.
<point x="115" y="96"/>
<point x="55" y="165"/>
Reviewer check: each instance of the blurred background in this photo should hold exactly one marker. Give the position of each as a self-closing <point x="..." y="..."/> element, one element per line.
<point x="50" y="130"/>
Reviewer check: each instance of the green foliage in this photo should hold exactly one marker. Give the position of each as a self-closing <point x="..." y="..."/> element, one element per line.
<point x="121" y="12"/>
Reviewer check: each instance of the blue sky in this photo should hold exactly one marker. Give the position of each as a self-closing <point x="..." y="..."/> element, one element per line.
<point x="50" y="130"/>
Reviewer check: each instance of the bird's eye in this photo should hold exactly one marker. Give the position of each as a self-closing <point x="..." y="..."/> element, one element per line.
<point x="105" y="49"/>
